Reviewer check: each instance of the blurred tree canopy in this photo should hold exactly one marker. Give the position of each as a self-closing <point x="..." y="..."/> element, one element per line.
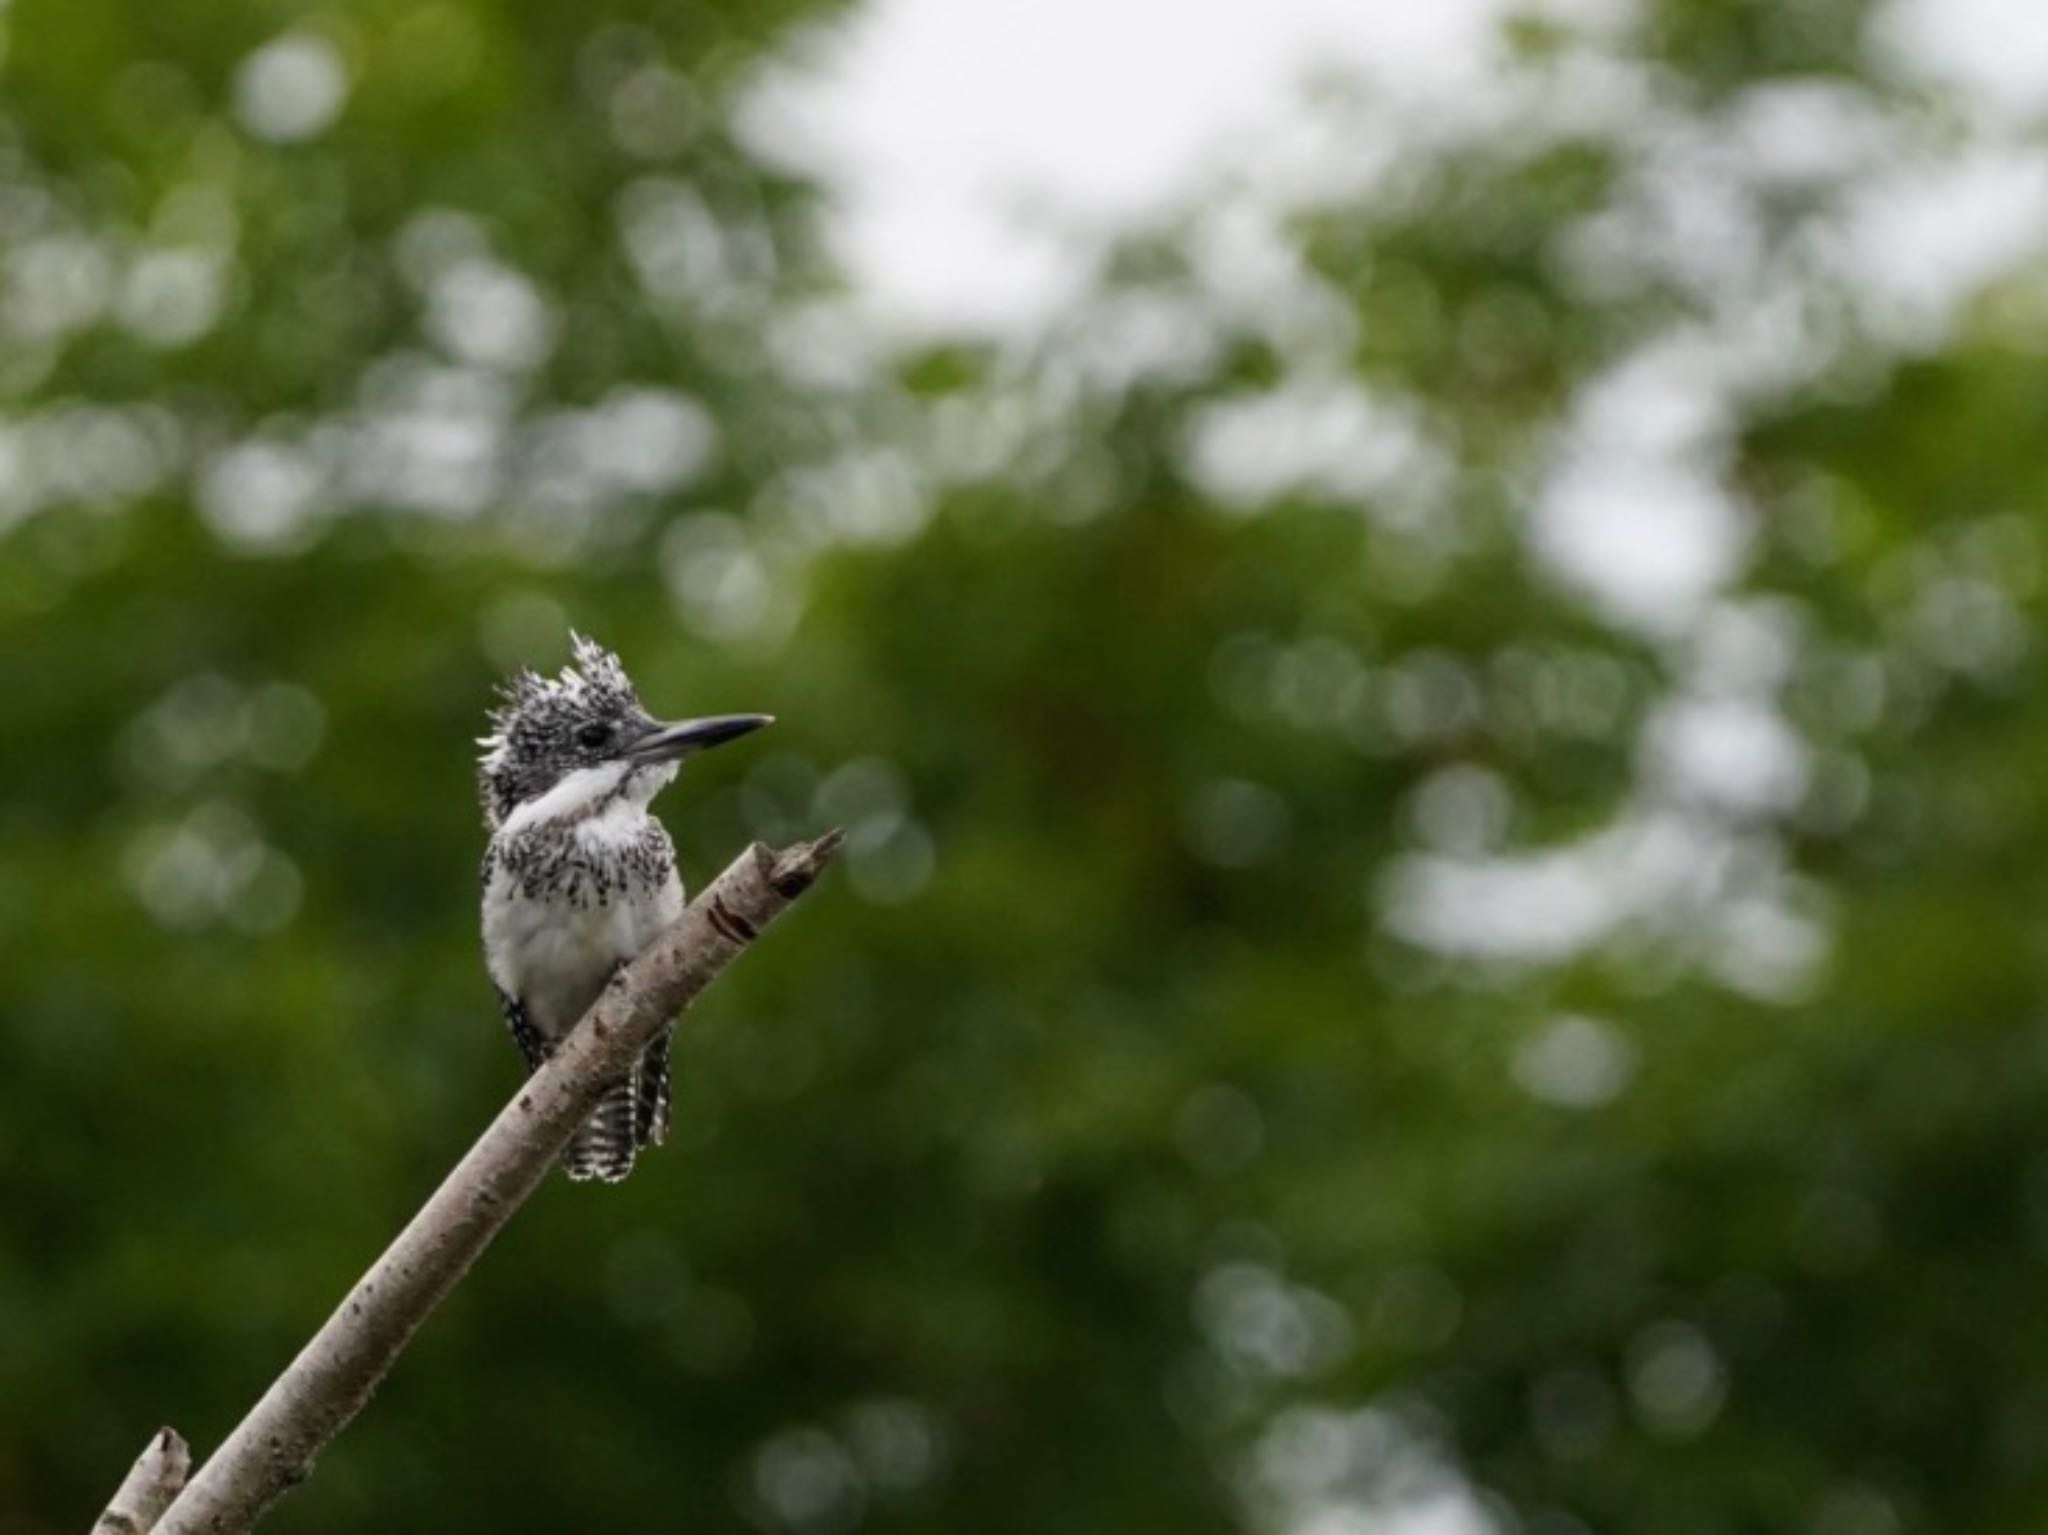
<point x="1443" y="925"/>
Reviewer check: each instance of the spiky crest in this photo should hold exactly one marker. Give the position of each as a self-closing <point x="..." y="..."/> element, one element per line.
<point x="528" y="727"/>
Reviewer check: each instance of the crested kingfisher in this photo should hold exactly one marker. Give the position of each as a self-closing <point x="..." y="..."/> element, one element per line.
<point x="579" y="877"/>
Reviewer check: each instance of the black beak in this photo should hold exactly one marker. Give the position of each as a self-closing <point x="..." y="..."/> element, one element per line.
<point x="667" y="743"/>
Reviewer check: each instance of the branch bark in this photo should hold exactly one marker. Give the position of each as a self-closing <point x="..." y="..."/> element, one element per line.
<point x="273" y="1448"/>
<point x="147" y="1490"/>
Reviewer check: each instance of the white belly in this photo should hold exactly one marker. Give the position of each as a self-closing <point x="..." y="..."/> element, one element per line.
<point x="555" y="956"/>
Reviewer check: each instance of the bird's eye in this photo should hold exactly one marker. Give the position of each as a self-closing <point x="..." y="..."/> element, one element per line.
<point x="593" y="736"/>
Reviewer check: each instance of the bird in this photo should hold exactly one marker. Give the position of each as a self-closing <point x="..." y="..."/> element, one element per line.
<point x="579" y="876"/>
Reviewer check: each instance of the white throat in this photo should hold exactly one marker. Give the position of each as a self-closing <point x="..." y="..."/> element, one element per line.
<point x="577" y="794"/>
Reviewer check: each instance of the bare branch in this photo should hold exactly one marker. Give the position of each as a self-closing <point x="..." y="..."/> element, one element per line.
<point x="151" y="1483"/>
<point x="274" y="1446"/>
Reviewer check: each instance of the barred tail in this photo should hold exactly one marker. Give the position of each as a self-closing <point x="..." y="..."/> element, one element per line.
<point x="650" y="1116"/>
<point x="603" y="1148"/>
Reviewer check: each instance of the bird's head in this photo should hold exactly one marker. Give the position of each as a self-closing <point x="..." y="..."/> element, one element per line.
<point x="567" y="745"/>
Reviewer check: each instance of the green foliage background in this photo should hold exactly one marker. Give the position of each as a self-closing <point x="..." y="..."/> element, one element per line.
<point x="1117" y="1144"/>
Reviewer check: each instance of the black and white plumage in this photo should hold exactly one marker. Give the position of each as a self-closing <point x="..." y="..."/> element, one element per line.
<point x="579" y="877"/>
